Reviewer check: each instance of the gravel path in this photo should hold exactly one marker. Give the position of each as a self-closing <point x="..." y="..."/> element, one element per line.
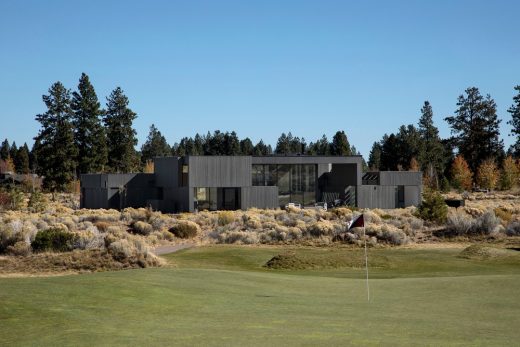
<point x="173" y="248"/>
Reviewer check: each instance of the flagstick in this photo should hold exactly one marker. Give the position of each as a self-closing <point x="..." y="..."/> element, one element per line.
<point x="366" y="262"/>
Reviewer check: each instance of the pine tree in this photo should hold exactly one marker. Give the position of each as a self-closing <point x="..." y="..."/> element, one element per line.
<point x="231" y="144"/>
<point x="89" y="133"/>
<point x="374" y="158"/>
<point x="261" y="149"/>
<point x="476" y="128"/>
<point x="283" y="145"/>
<point x="55" y="140"/>
<point x="121" y="136"/>
<point x="13" y="151"/>
<point x="340" y="144"/>
<point x="323" y="146"/>
<point x="515" y="123"/>
<point x="461" y="176"/>
<point x="22" y="160"/>
<point x="5" y="150"/>
<point x="155" y="145"/>
<point x="431" y="154"/>
<point x="198" y="145"/>
<point x="33" y="156"/>
<point x="246" y="146"/>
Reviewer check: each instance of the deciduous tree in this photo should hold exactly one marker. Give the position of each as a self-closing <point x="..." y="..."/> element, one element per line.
<point x="461" y="175"/>
<point x="510" y="174"/>
<point x="488" y="174"/>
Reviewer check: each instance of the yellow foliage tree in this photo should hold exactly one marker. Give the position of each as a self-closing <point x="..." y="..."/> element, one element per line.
<point x="149" y="167"/>
<point x="488" y="174"/>
<point x="462" y="177"/>
<point x="414" y="165"/>
<point x="510" y="174"/>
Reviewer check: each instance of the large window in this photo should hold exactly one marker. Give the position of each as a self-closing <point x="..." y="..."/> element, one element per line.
<point x="296" y="183"/>
<point x="205" y="198"/>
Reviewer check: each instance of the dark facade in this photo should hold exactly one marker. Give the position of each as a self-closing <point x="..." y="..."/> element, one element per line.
<point x="240" y="182"/>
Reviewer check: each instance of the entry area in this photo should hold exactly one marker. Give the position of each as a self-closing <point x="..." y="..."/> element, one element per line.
<point x="212" y="198"/>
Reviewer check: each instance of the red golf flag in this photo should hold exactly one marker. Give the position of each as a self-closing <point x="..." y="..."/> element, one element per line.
<point x="359" y="222"/>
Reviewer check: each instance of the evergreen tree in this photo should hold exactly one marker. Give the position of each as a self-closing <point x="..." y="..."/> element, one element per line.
<point x="155" y="145"/>
<point x="340" y="144"/>
<point x="89" y="133"/>
<point x="515" y="123"/>
<point x="431" y="154"/>
<point x="323" y="146"/>
<point x="374" y="158"/>
<point x="390" y="156"/>
<point x="231" y="144"/>
<point x="5" y="150"/>
<point x="121" y="136"/>
<point x="56" y="140"/>
<point x="246" y="146"/>
<point x="33" y="156"/>
<point x="261" y="148"/>
<point x="476" y="128"/>
<point x="283" y="145"/>
<point x="13" y="151"/>
<point x="408" y="145"/>
<point x="22" y="160"/>
<point x="198" y="145"/>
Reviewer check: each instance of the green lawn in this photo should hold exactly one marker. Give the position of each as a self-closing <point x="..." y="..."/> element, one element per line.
<point x="221" y="295"/>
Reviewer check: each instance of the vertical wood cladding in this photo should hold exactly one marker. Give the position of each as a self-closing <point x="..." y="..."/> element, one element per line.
<point x="219" y="171"/>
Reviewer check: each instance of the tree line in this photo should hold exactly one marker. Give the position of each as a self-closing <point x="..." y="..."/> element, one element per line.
<point x="473" y="151"/>
<point x="77" y="135"/>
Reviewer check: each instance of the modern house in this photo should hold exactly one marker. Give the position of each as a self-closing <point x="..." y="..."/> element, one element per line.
<point x="239" y="182"/>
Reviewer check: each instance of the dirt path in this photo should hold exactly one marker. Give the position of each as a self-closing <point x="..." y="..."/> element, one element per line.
<point x="161" y="250"/>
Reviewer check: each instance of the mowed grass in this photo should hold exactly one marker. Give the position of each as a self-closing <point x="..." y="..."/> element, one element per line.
<point x="222" y="295"/>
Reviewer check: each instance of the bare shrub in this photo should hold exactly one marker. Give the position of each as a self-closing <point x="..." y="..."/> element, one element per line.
<point x="121" y="249"/>
<point x="102" y="226"/>
<point x="226" y="217"/>
<point x="251" y="221"/>
<point x="486" y="223"/>
<point x="240" y="237"/>
<point x="459" y="223"/>
<point x="185" y="229"/>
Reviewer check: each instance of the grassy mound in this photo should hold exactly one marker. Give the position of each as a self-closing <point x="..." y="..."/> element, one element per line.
<point x="320" y="260"/>
<point x="480" y="252"/>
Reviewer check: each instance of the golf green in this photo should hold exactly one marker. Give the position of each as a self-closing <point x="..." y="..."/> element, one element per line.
<point x="222" y="295"/>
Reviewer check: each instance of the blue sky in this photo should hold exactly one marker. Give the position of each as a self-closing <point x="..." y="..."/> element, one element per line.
<point x="261" y="67"/>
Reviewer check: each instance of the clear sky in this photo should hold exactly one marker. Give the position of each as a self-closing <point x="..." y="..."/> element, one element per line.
<point x="261" y="67"/>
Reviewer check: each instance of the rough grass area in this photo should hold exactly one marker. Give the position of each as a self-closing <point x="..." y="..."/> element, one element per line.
<point x="223" y="295"/>
<point x="76" y="261"/>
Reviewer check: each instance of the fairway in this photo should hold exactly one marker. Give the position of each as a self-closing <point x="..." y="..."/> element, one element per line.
<point x="222" y="295"/>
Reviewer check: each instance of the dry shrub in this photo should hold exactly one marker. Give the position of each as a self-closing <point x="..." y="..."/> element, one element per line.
<point x="102" y="226"/>
<point x="371" y="217"/>
<point x="505" y="215"/>
<point x="513" y="229"/>
<point x="141" y="228"/>
<point x="20" y="248"/>
<point x="226" y="217"/>
<point x="460" y="224"/>
<point x="239" y="237"/>
<point x="251" y="221"/>
<point x="342" y="212"/>
<point x="322" y="227"/>
<point x="185" y="229"/>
